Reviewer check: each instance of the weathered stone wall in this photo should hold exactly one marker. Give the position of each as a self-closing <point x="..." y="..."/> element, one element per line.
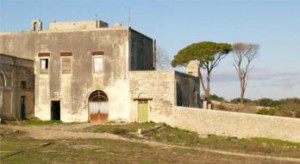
<point x="161" y="88"/>
<point x="156" y="85"/>
<point x="73" y="89"/>
<point x="187" y="90"/>
<point x="15" y="70"/>
<point x="20" y="44"/>
<point x="233" y="124"/>
<point x="77" y="25"/>
<point x="142" y="55"/>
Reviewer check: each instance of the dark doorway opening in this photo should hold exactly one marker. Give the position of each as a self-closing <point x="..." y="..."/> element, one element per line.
<point x="55" y="110"/>
<point x="23" y="107"/>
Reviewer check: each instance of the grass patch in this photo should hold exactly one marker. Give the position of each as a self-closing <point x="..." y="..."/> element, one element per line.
<point x="170" y="135"/>
<point x="122" y="129"/>
<point x="276" y="142"/>
<point x="38" y="122"/>
<point x="174" y="136"/>
<point x="119" y="151"/>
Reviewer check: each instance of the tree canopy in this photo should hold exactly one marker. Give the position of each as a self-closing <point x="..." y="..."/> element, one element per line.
<point x="202" y="52"/>
<point x="208" y="54"/>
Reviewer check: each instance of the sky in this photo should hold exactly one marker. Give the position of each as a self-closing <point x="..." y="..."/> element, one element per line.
<point x="273" y="24"/>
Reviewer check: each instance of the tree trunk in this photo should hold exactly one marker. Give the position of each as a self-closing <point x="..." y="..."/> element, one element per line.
<point x="242" y="96"/>
<point x="201" y="80"/>
<point x="207" y="91"/>
<point x="243" y="88"/>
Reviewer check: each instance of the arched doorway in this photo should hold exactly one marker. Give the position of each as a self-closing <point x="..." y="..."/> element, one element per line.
<point x="98" y="106"/>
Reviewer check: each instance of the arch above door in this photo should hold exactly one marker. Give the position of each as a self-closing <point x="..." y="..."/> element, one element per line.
<point x="98" y="106"/>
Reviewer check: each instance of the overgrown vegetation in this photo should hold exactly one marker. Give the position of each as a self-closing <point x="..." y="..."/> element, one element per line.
<point x="289" y="107"/>
<point x="267" y="111"/>
<point x="217" y="98"/>
<point x="238" y="100"/>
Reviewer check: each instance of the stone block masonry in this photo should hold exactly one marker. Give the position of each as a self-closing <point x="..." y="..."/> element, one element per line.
<point x="240" y="125"/>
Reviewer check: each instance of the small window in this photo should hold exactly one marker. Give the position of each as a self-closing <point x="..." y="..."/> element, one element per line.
<point x="98" y="64"/>
<point x="66" y="65"/>
<point x="44" y="65"/>
<point x="23" y="84"/>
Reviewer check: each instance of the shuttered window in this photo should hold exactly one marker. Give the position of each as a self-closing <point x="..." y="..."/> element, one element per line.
<point x="66" y="65"/>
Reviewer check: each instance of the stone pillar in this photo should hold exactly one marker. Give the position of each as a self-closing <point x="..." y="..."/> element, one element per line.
<point x="204" y="104"/>
<point x="209" y="106"/>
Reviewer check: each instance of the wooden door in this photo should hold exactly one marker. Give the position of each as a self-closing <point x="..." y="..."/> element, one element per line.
<point x="143" y="111"/>
<point x="98" y="106"/>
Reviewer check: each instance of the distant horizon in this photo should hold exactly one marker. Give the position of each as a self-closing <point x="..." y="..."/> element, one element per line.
<point x="274" y="25"/>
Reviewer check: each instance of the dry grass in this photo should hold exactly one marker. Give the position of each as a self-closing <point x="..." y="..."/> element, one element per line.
<point x="106" y="151"/>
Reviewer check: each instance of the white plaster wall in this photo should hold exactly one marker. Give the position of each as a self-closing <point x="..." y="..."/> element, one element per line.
<point x="42" y="98"/>
<point x="119" y="100"/>
<point x="158" y="85"/>
<point x="234" y="124"/>
<point x="66" y="98"/>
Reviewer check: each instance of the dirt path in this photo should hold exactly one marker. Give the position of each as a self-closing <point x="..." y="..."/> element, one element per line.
<point x="49" y="132"/>
<point x="46" y="132"/>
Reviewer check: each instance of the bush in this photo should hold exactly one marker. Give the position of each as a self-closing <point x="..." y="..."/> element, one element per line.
<point x="238" y="100"/>
<point x="267" y="102"/>
<point x="289" y="109"/>
<point x="217" y="98"/>
<point x="267" y="111"/>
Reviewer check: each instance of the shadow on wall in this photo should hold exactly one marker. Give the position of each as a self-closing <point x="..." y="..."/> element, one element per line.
<point x="179" y="96"/>
<point x="187" y="98"/>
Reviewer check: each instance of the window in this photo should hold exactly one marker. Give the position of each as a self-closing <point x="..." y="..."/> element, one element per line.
<point x="44" y="65"/>
<point x="66" y="65"/>
<point x="98" y="64"/>
<point x="23" y="84"/>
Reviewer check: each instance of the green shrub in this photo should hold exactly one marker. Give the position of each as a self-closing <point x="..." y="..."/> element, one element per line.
<point x="267" y="111"/>
<point x="238" y="100"/>
<point x="217" y="98"/>
<point x="267" y="102"/>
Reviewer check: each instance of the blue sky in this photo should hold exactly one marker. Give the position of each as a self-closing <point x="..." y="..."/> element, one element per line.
<point x="274" y="24"/>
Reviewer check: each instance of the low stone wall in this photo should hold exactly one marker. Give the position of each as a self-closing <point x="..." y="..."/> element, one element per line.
<point x="233" y="124"/>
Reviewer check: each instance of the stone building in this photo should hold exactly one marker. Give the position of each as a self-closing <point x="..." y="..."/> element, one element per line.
<point x="16" y="87"/>
<point x="88" y="71"/>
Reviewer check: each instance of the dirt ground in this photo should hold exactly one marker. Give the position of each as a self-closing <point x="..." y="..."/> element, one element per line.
<point x="64" y="135"/>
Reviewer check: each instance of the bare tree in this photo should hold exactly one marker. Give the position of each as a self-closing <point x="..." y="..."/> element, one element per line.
<point x="162" y="59"/>
<point x="244" y="53"/>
